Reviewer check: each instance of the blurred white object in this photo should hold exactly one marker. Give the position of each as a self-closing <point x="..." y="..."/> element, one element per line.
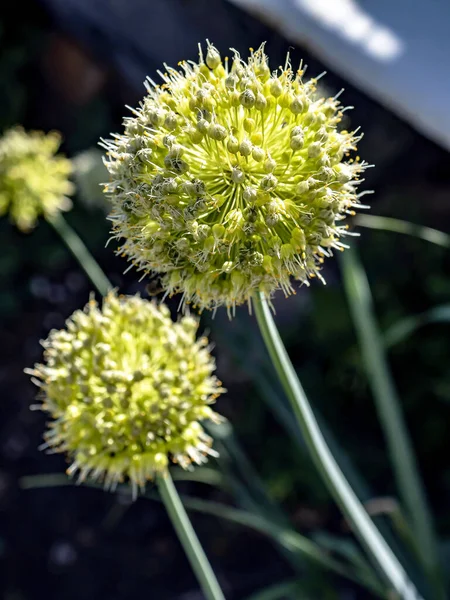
<point x="397" y="51"/>
<point x="89" y="175"/>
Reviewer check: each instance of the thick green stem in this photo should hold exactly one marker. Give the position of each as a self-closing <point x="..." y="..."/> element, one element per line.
<point x="81" y="253"/>
<point x="186" y="534"/>
<point x="362" y="525"/>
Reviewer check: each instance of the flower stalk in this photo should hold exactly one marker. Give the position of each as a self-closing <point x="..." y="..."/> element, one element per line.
<point x="334" y="479"/>
<point x="79" y="250"/>
<point x="188" y="538"/>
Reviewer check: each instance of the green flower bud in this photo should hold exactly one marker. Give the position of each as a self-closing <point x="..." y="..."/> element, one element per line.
<point x="260" y="102"/>
<point x="269" y="164"/>
<point x="247" y="98"/>
<point x="218" y="231"/>
<point x="170" y="122"/>
<point x="301" y="188"/>
<point x="276" y="88"/>
<point x="212" y="58"/>
<point x="297" y="105"/>
<point x="268" y="183"/>
<point x="130" y="397"/>
<point x="217" y="132"/>
<point x="297" y="142"/>
<point x="314" y="150"/>
<point x="237" y="176"/>
<point x="231" y="81"/>
<point x="233" y="145"/>
<point x="249" y="194"/>
<point x="245" y="147"/>
<point x="249" y="125"/>
<point x="258" y="154"/>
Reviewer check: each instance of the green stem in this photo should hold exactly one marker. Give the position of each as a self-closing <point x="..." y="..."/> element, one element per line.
<point x="390" y="414"/>
<point x="81" y="253"/>
<point x="327" y="466"/>
<point x="167" y="490"/>
<point x="188" y="538"/>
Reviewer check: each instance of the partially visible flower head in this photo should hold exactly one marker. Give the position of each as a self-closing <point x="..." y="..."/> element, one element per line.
<point x="34" y="180"/>
<point x="126" y="388"/>
<point x="231" y="178"/>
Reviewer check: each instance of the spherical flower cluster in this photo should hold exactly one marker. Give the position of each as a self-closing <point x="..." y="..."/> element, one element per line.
<point x="229" y="178"/>
<point x="33" y="179"/>
<point x="126" y="388"/>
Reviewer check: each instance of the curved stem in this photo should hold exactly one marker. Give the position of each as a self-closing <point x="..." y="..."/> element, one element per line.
<point x="363" y="526"/>
<point x="188" y="538"/>
<point x="81" y="253"/>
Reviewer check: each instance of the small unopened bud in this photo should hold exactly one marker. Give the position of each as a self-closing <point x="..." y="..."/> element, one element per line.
<point x="247" y="98"/>
<point x="212" y="58"/>
<point x="269" y="164"/>
<point x="249" y="194"/>
<point x="217" y="132"/>
<point x="218" y="231"/>
<point x="245" y="147"/>
<point x="202" y="125"/>
<point x="237" y="176"/>
<point x="170" y="122"/>
<point x="314" y="150"/>
<point x="231" y="81"/>
<point x="176" y="164"/>
<point x="258" y="154"/>
<point x="233" y="145"/>
<point x="227" y="266"/>
<point x="156" y="117"/>
<point x="302" y="187"/>
<point x="195" y="136"/>
<point x="297" y="142"/>
<point x="297" y="130"/>
<point x="276" y="88"/>
<point x="249" y="124"/>
<point x="297" y="105"/>
<point x="169" y="140"/>
<point x="268" y="183"/>
<point x="261" y="101"/>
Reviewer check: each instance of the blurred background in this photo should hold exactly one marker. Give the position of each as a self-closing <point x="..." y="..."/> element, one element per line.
<point x="72" y="65"/>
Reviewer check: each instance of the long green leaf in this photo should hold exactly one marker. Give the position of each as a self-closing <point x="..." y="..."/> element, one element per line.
<point x="399" y="226"/>
<point x="390" y="414"/>
<point x="363" y="527"/>
<point x="405" y="327"/>
<point x="277" y="591"/>
<point x="288" y="538"/>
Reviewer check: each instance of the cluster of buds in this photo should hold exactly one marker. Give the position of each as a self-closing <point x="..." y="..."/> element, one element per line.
<point x="230" y="178"/>
<point x="127" y="388"/>
<point x="34" y="180"/>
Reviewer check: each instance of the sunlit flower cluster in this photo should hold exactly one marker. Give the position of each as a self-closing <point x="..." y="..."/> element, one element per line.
<point x="126" y="388"/>
<point x="34" y="180"/>
<point x="231" y="178"/>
